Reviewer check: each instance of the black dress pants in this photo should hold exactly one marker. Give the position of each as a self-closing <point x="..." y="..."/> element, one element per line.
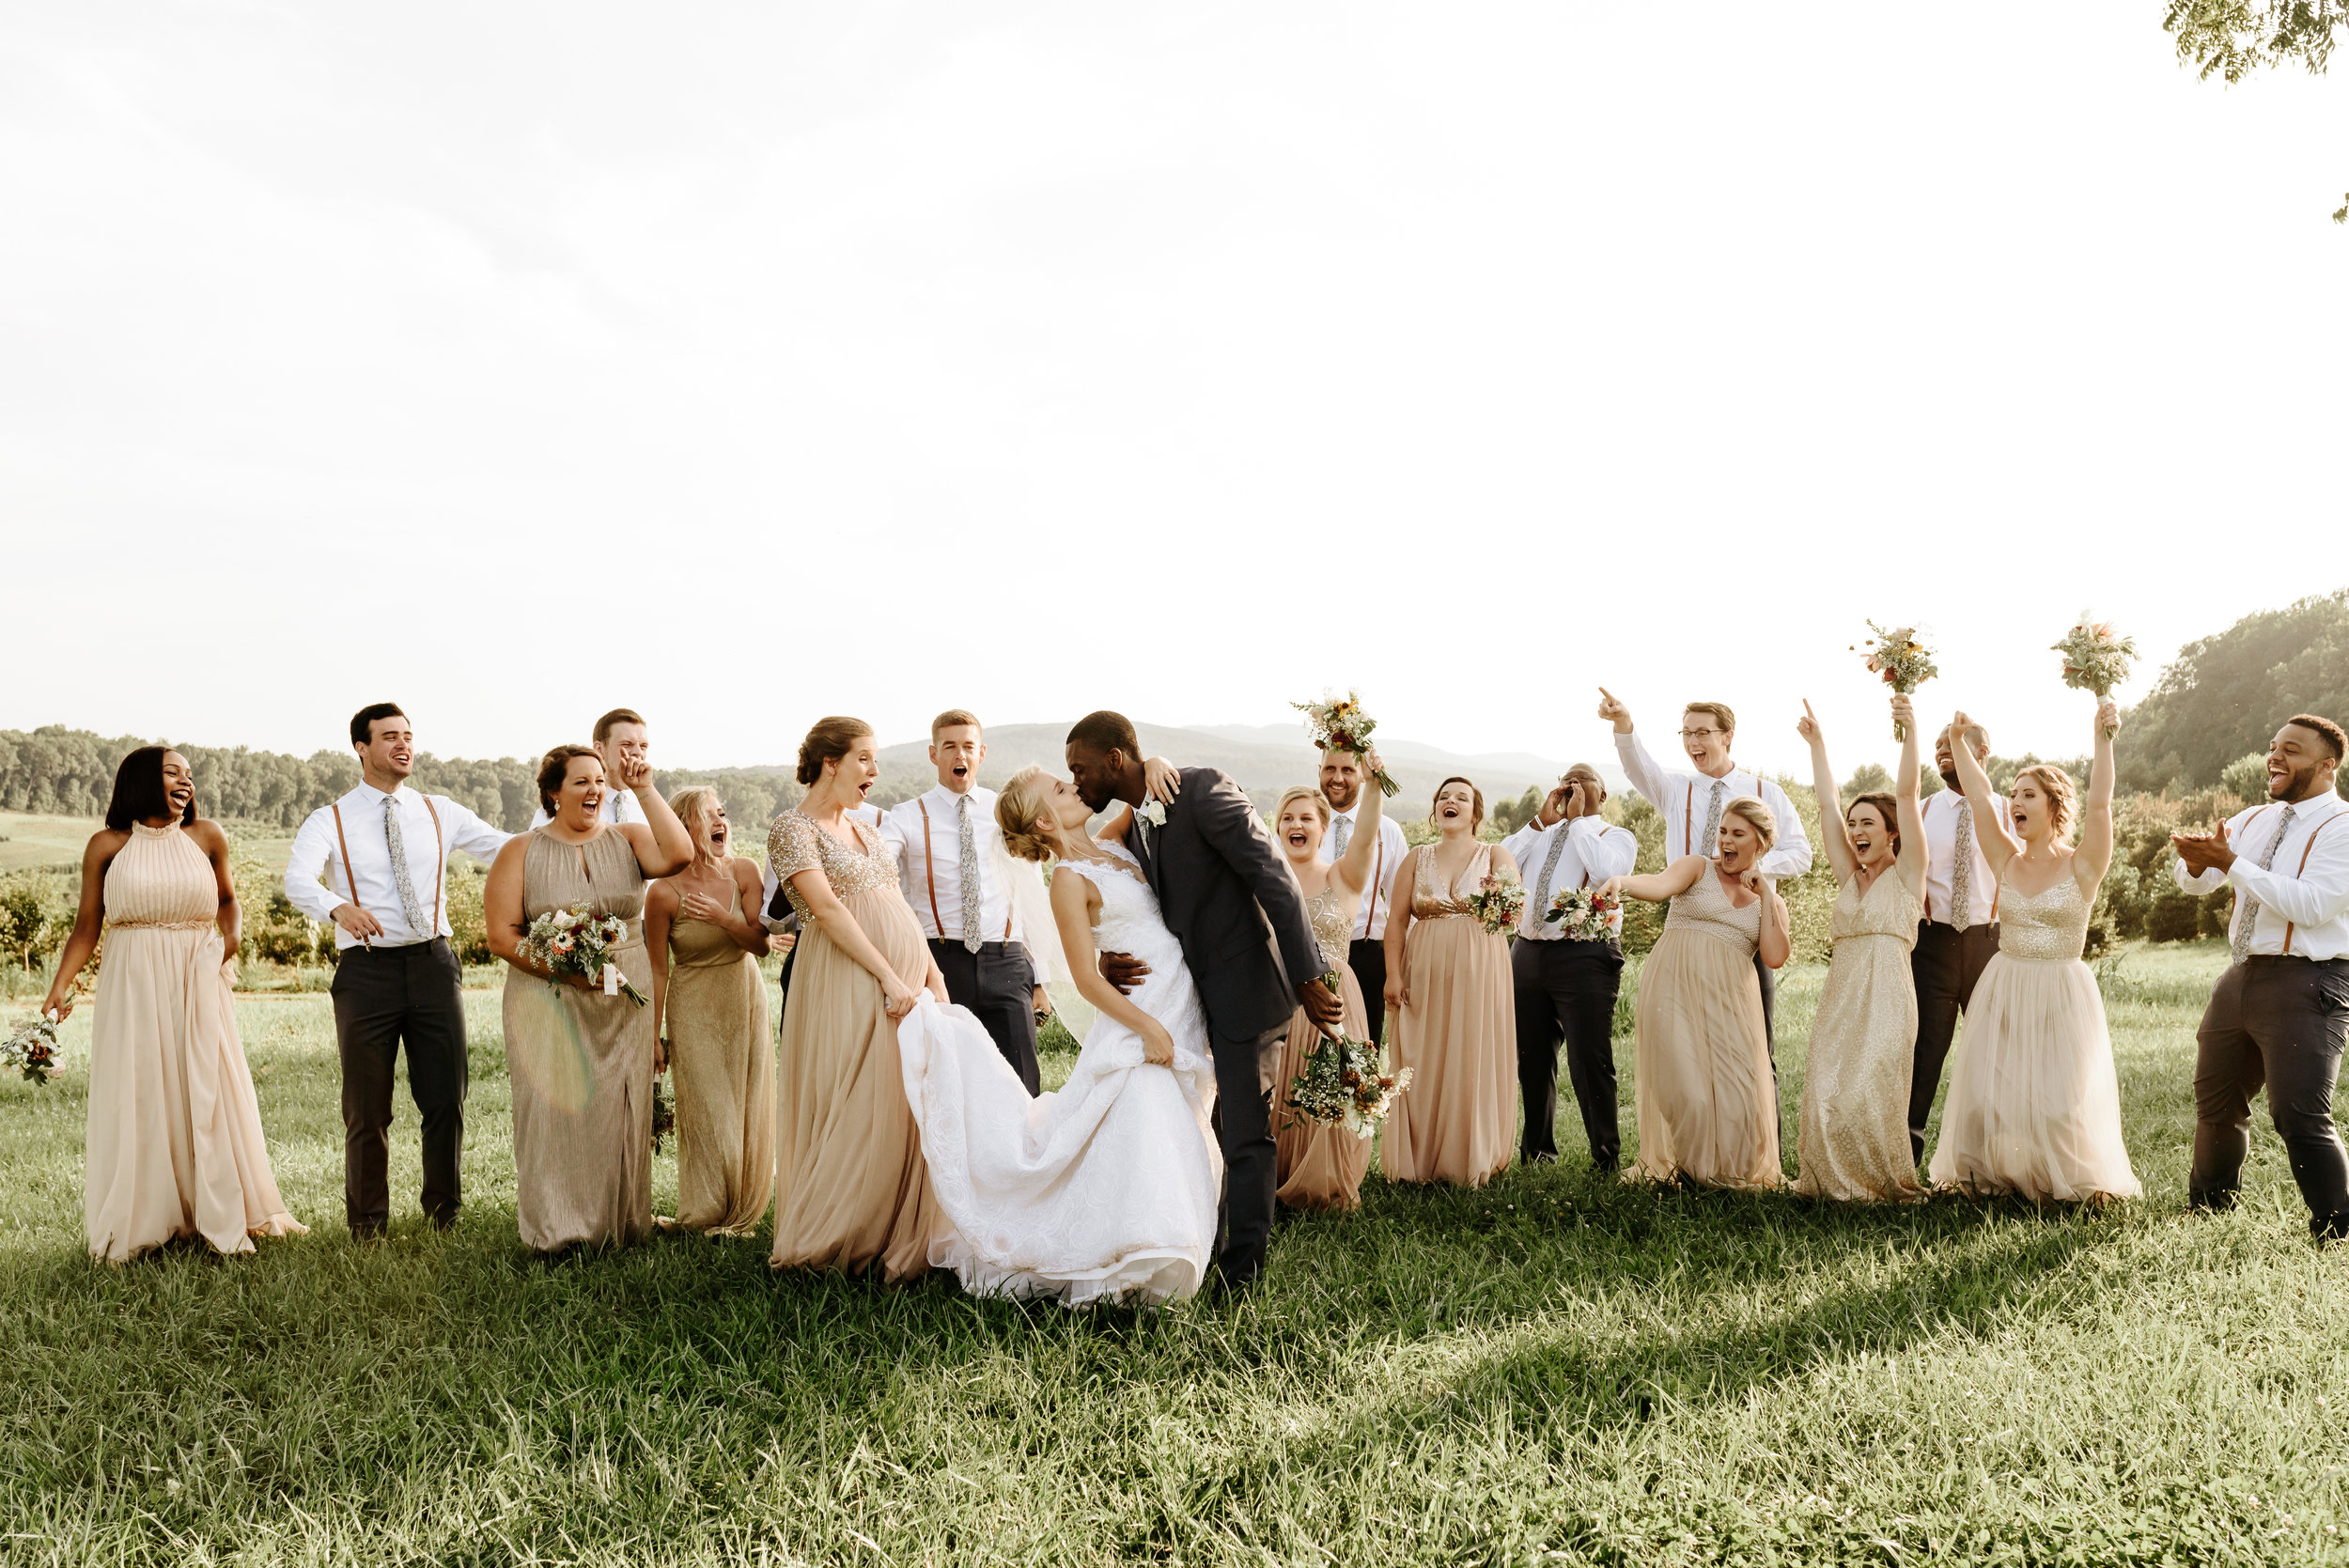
<point x="385" y="996"/>
<point x="1945" y="964"/>
<point x="1566" y="990"/>
<point x="1244" y="1071"/>
<point x="2277" y="1022"/>
<point x="1368" y="960"/>
<point x="998" y="986"/>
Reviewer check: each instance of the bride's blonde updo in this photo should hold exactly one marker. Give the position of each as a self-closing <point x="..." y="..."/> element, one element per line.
<point x="1027" y="796"/>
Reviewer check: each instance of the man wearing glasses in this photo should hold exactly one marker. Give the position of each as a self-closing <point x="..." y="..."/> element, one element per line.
<point x="1691" y="802"/>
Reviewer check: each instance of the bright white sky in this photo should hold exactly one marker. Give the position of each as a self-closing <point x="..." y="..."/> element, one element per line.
<point x="745" y="364"/>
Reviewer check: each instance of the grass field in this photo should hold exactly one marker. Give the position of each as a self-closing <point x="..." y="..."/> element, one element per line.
<point x="1557" y="1369"/>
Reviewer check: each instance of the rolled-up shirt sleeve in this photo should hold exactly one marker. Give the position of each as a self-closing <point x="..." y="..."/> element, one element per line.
<point x="306" y="865"/>
<point x="2317" y="894"/>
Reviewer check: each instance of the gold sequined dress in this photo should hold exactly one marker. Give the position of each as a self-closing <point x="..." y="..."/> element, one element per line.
<point x="1320" y="1166"/>
<point x="1852" y="1134"/>
<point x="724" y="1061"/>
<point x="851" y="1191"/>
<point x="1458" y="1120"/>
<point x="1708" y="1109"/>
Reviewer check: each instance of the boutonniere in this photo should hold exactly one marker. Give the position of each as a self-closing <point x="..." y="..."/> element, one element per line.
<point x="1154" y="811"/>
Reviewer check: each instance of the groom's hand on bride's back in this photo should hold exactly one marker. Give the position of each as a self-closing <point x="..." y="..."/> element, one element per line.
<point x="1123" y="970"/>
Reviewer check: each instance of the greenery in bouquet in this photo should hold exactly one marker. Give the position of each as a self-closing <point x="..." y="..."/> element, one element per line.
<point x="1340" y="723"/>
<point x="1900" y="661"/>
<point x="1498" y="904"/>
<point x="31" y="1052"/>
<point x="2095" y="658"/>
<point x="1340" y="1083"/>
<point x="575" y="941"/>
<point x="1585" y="915"/>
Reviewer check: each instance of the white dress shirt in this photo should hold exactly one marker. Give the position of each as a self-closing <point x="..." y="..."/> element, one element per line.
<point x="318" y="882"/>
<point x="1370" y="916"/>
<point x="619" y="805"/>
<point x="2306" y="903"/>
<point x="929" y="864"/>
<point x="1594" y="850"/>
<point x="1686" y="800"/>
<point x="1941" y="813"/>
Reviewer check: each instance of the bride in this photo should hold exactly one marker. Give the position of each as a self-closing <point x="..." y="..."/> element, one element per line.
<point x="1106" y="1188"/>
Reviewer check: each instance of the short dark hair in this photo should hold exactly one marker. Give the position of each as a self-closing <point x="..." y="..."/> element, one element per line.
<point x="554" y="768"/>
<point x="2325" y="727"/>
<point x="1106" y="732"/>
<point x="617" y="715"/>
<point x="139" y="790"/>
<point x="363" y="721"/>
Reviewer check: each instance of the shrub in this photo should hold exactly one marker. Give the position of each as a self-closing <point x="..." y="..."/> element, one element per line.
<point x="37" y="911"/>
<point x="2246" y="777"/>
<point x="469" y="930"/>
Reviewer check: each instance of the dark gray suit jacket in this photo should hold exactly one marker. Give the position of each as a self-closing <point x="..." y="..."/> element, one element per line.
<point x="1232" y="903"/>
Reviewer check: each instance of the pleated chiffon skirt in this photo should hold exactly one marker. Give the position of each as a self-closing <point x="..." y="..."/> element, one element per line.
<point x="1458" y="1120"/>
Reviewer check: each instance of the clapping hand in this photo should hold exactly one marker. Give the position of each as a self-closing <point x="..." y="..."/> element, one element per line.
<point x="2203" y="852"/>
<point x="1808" y="725"/>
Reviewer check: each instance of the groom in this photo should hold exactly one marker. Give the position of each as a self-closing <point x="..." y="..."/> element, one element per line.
<point x="1233" y="905"/>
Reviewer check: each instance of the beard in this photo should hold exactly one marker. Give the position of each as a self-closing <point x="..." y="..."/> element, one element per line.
<point x="1949" y="777"/>
<point x="2292" y="785"/>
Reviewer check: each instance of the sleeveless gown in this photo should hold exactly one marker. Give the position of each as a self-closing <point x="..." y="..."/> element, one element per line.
<point x="1708" y="1109"/>
<point x="2033" y="1107"/>
<point x="852" y="1189"/>
<point x="1321" y="1167"/>
<point x="724" y="1063"/>
<point x="173" y="1145"/>
<point x="1102" y="1190"/>
<point x="581" y="1062"/>
<point x="1853" y="1129"/>
<point x="1458" y="1120"/>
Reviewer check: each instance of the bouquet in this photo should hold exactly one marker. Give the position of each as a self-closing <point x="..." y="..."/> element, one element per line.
<point x="1586" y="914"/>
<point x="1904" y="662"/>
<point x="2096" y="658"/>
<point x="32" y="1050"/>
<point x="1499" y="905"/>
<point x="574" y="942"/>
<point x="1339" y="722"/>
<point x="1341" y="1082"/>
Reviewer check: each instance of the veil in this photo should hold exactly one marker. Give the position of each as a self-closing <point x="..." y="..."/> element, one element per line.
<point x="1032" y="905"/>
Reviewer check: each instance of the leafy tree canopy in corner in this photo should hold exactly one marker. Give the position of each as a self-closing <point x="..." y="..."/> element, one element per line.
<point x="2232" y="39"/>
<point x="2224" y="695"/>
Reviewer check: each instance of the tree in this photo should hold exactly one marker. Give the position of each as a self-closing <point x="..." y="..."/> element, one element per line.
<point x="2232" y="39"/>
<point x="2224" y="695"/>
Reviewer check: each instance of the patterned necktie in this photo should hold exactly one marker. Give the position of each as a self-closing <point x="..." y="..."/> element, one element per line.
<point x="971" y="913"/>
<point x="1962" y="870"/>
<point x="1346" y="835"/>
<point x="1712" y="822"/>
<point x="399" y="847"/>
<point x="2247" y="914"/>
<point x="1538" y="911"/>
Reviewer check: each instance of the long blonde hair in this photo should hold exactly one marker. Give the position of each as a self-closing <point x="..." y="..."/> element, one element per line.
<point x="689" y="803"/>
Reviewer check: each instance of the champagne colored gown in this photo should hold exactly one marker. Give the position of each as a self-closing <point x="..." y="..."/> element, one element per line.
<point x="173" y="1144"/>
<point x="1853" y="1131"/>
<point x="581" y="1062"/>
<point x="1708" y="1108"/>
<point x="2033" y="1107"/>
<point x="851" y="1189"/>
<point x="1458" y="1120"/>
<point x="1320" y="1166"/>
<point x="724" y="1063"/>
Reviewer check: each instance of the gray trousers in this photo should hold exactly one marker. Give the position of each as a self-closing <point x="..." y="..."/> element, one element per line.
<point x="2278" y="1023"/>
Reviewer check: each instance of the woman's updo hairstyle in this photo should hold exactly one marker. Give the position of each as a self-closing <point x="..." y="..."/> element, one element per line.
<point x="2056" y="785"/>
<point x="1027" y="796"/>
<point x="554" y="768"/>
<point x="1758" y="816"/>
<point x="1303" y="792"/>
<point x="828" y="741"/>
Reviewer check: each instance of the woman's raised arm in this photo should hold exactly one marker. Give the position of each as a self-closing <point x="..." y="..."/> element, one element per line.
<point x="1832" y="827"/>
<point x="1915" y="854"/>
<point x="1989" y="827"/>
<point x="1361" y="851"/>
<point x="2096" y="850"/>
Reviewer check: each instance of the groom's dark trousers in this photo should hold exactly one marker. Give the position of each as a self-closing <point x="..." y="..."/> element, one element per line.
<point x="382" y="997"/>
<point x="996" y="984"/>
<point x="2279" y="1022"/>
<point x="1233" y="905"/>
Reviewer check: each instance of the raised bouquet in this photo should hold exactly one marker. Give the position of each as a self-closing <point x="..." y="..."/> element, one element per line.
<point x="1339" y="722"/>
<point x="2095" y="658"/>
<point x="1585" y="915"/>
<point x="1340" y="1083"/>
<point x="31" y="1052"/>
<point x="576" y="941"/>
<point x="1901" y="661"/>
<point x="1499" y="905"/>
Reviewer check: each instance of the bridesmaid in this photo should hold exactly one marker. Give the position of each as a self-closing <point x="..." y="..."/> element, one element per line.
<point x="1708" y="1109"/>
<point x="1454" y="1005"/>
<point x="582" y="1061"/>
<point x="174" y="1146"/>
<point x="1321" y="1167"/>
<point x="851" y="1191"/>
<point x="707" y="990"/>
<point x="1853" y="1137"/>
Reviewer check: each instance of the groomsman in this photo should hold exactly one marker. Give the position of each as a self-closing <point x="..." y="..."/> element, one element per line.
<point x="2280" y="1015"/>
<point x="951" y="861"/>
<point x="1565" y="989"/>
<point x="1342" y="785"/>
<point x="1959" y="931"/>
<point x="1691" y="805"/>
<point x="375" y="863"/>
<point x="620" y="733"/>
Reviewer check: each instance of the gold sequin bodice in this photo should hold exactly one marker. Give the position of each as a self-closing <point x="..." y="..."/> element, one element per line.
<point x="1877" y="912"/>
<point x="2047" y="926"/>
<point x="795" y="844"/>
<point x="1705" y="907"/>
<point x="1432" y="900"/>
<point x="1332" y="913"/>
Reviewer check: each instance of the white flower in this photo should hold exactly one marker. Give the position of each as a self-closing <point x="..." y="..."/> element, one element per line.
<point x="1154" y="811"/>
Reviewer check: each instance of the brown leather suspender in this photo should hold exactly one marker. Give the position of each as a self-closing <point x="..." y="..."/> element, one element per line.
<point x="930" y="874"/>
<point x="440" y="845"/>
<point x="2305" y="850"/>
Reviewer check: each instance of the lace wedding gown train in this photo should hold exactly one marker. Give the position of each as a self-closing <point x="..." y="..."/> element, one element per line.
<point x="1104" y="1190"/>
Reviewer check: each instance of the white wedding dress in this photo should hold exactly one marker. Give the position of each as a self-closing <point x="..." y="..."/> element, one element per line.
<point x="1103" y="1190"/>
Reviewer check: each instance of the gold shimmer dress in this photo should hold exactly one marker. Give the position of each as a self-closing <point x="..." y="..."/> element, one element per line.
<point x="852" y="1189"/>
<point x="724" y="1064"/>
<point x="1708" y="1109"/>
<point x="581" y="1062"/>
<point x="1321" y="1167"/>
<point x="1853" y="1130"/>
<point x="1458" y="1120"/>
<point x="174" y="1142"/>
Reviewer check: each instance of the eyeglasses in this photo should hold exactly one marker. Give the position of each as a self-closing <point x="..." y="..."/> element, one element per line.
<point x="1698" y="735"/>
